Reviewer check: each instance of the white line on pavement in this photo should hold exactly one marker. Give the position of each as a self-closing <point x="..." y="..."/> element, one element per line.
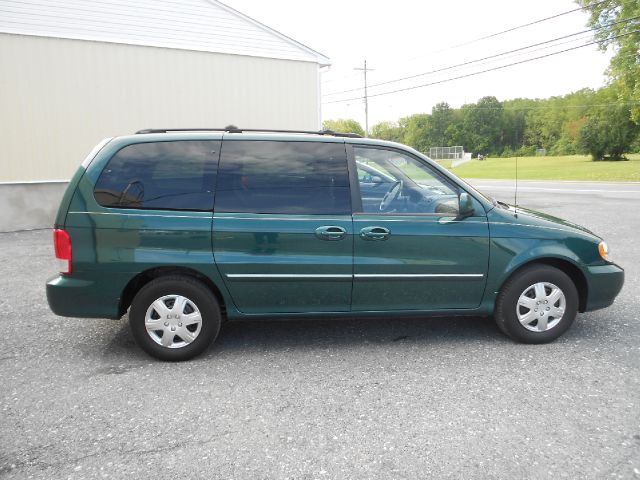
<point x="566" y="190"/>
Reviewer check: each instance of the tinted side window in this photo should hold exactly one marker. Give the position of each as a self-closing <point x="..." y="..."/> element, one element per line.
<point x="160" y="175"/>
<point x="283" y="177"/>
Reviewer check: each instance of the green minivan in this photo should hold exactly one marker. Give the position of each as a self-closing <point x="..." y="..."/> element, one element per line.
<point x="184" y="229"/>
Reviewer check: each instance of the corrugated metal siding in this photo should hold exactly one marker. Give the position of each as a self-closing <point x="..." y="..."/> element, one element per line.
<point x="202" y="25"/>
<point x="61" y="97"/>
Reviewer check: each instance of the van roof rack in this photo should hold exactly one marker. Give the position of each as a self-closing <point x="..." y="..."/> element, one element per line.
<point x="234" y="129"/>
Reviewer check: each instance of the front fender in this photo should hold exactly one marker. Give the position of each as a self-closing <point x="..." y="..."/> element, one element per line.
<point x="510" y="254"/>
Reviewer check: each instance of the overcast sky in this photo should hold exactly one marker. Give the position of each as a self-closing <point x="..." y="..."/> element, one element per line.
<point x="409" y="37"/>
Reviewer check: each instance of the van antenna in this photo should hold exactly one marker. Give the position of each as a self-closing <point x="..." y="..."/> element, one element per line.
<point x="515" y="199"/>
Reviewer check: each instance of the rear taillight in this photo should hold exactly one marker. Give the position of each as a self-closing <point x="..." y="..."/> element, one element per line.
<point x="62" y="245"/>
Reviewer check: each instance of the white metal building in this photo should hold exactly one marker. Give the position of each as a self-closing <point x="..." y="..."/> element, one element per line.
<point x="74" y="72"/>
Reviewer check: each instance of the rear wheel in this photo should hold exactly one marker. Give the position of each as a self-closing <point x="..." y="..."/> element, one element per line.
<point x="174" y="318"/>
<point x="537" y="305"/>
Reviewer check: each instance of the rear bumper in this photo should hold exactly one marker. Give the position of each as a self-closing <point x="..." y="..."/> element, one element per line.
<point x="604" y="283"/>
<point x="73" y="297"/>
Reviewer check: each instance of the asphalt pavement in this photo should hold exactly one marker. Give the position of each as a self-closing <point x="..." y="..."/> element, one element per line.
<point x="363" y="399"/>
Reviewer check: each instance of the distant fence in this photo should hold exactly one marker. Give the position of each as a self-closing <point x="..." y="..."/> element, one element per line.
<point x="456" y="154"/>
<point x="446" y="153"/>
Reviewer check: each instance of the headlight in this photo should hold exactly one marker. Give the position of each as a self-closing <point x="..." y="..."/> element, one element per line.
<point x="603" y="248"/>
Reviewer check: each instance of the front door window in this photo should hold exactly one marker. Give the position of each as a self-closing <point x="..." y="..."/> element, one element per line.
<point x="392" y="182"/>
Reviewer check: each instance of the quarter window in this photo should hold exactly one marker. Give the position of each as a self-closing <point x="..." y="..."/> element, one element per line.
<point x="283" y="177"/>
<point x="160" y="175"/>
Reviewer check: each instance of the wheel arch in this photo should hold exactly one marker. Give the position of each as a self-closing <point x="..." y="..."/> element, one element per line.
<point x="569" y="268"/>
<point x="143" y="278"/>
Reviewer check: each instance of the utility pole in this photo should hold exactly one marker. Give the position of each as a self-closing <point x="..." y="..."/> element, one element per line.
<point x="366" y="98"/>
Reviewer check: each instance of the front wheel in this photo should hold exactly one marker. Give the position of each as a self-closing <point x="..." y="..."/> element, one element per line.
<point x="174" y="318"/>
<point x="537" y="305"/>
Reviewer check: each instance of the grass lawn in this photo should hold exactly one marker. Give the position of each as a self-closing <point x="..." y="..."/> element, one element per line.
<point x="570" y="167"/>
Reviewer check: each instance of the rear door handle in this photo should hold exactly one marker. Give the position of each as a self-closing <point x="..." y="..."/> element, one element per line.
<point x="375" y="233"/>
<point x="331" y="233"/>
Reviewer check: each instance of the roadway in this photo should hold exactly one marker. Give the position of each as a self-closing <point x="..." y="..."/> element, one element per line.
<point x="433" y="398"/>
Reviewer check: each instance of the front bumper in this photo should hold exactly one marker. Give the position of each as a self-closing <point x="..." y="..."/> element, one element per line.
<point x="604" y="284"/>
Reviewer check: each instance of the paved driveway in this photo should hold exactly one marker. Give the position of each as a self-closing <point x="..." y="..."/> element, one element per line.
<point x="432" y="398"/>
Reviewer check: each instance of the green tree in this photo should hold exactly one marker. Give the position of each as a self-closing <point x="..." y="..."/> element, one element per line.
<point x="441" y="119"/>
<point x="416" y="129"/>
<point x="514" y="120"/>
<point x="544" y="123"/>
<point x="610" y="18"/>
<point x="482" y="125"/>
<point x="602" y="135"/>
<point x="608" y="132"/>
<point x="387" y="131"/>
<point x="343" y="125"/>
<point x="576" y="107"/>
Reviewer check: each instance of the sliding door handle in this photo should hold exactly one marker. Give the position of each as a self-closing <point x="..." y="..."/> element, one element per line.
<point x="330" y="233"/>
<point x="375" y="233"/>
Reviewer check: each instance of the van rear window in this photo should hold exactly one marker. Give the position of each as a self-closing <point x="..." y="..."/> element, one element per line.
<point x="179" y="175"/>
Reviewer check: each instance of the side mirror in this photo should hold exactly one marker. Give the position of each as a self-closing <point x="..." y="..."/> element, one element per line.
<point x="465" y="205"/>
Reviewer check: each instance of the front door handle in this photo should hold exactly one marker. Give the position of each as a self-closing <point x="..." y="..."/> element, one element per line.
<point x="330" y="232"/>
<point x="375" y="233"/>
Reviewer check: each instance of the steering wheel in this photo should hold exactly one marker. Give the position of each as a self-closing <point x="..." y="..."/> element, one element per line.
<point x="391" y="195"/>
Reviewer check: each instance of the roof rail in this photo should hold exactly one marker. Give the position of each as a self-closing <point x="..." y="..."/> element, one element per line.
<point x="234" y="129"/>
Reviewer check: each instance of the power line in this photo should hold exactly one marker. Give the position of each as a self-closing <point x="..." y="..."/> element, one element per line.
<point x="492" y="35"/>
<point x="523" y="25"/>
<point x="482" y="71"/>
<point x="470" y="62"/>
<point x="529" y="52"/>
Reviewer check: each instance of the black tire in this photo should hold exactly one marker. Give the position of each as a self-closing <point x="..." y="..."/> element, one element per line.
<point x="506" y="311"/>
<point x="198" y="295"/>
